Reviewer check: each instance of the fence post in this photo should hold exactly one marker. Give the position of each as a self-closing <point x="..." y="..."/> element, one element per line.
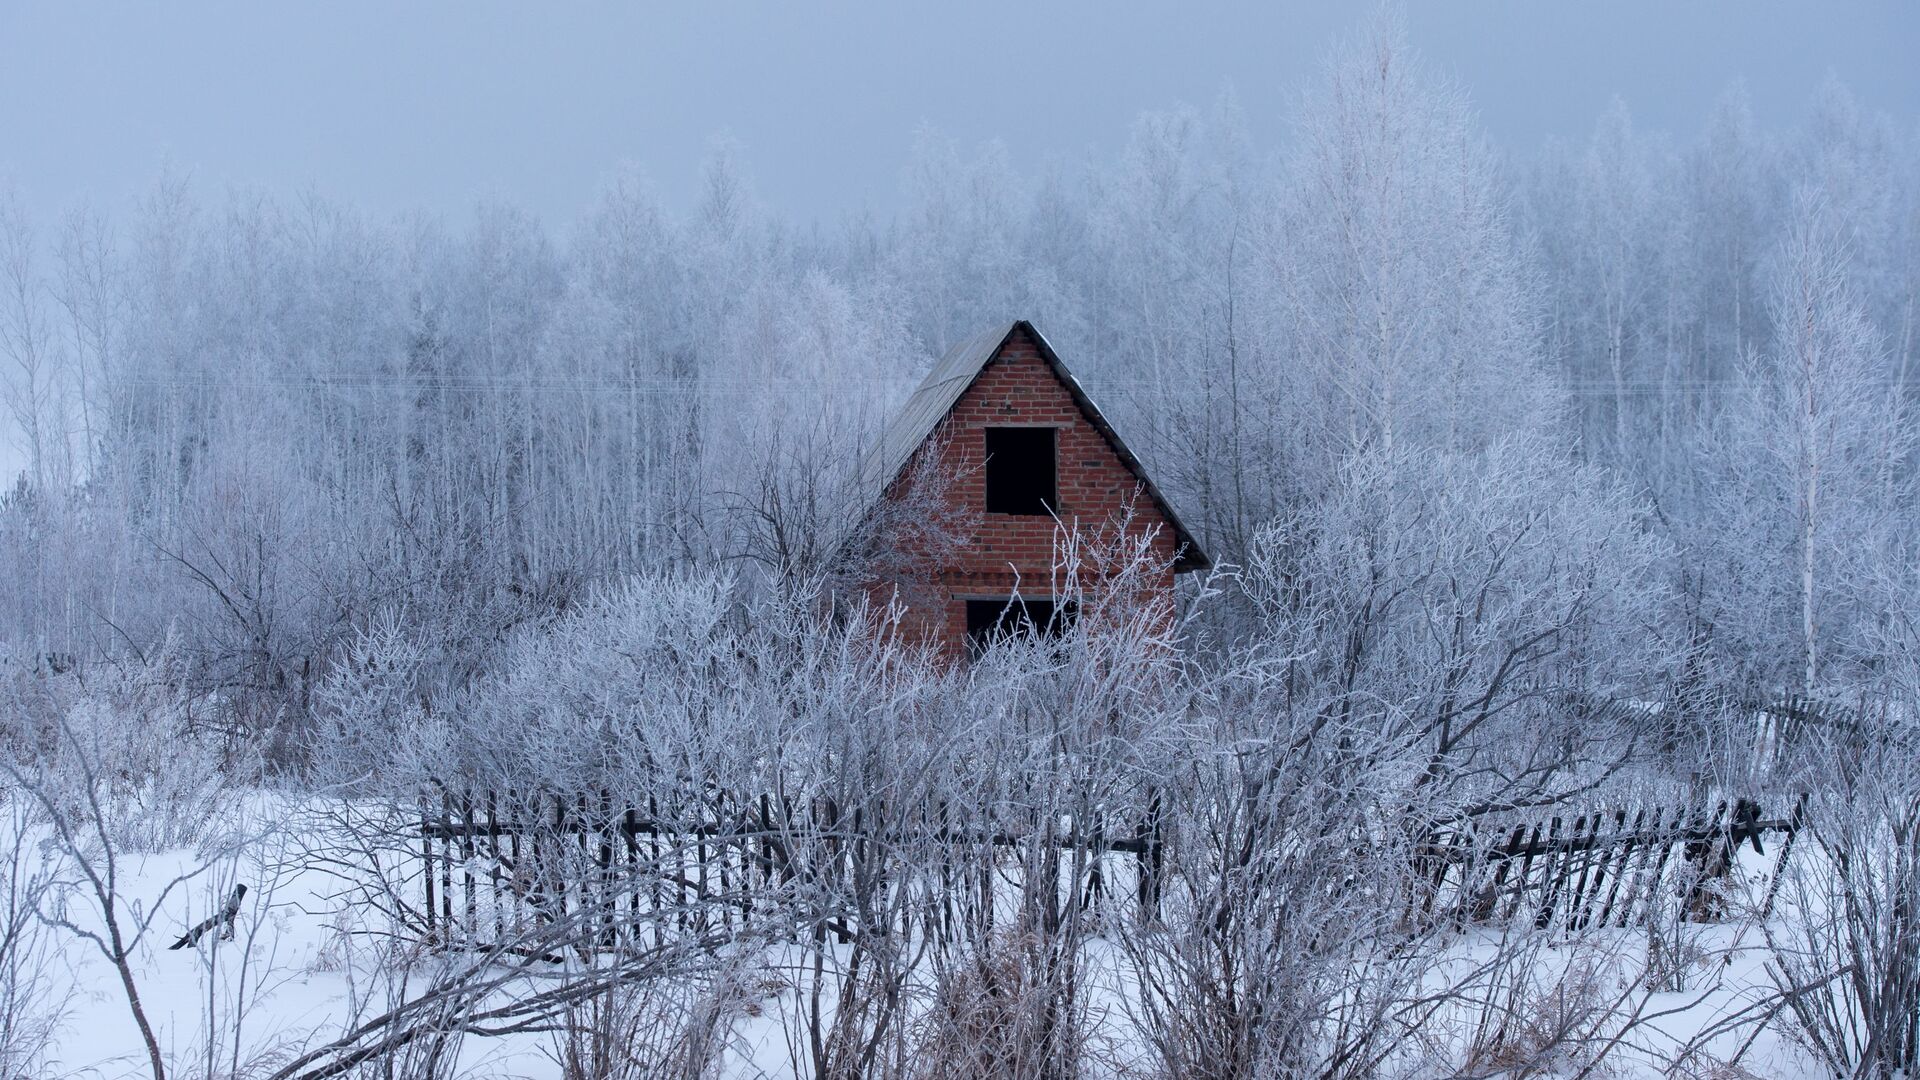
<point x="469" y="850"/>
<point x="446" y="861"/>
<point x="522" y="883"/>
<point x="493" y="867"/>
<point x="558" y="849"/>
<point x="426" y="860"/>
<point x="1551" y="873"/>
<point x="654" y="893"/>
<point x="1096" y="879"/>
<point x="606" y="825"/>
<point x="1700" y="852"/>
<point x="1148" y="854"/>
<point x="630" y="840"/>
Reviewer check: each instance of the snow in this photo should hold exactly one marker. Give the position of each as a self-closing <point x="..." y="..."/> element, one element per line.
<point x="290" y="975"/>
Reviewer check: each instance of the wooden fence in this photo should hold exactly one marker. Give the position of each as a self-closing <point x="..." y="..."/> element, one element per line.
<point x="1790" y="724"/>
<point x="494" y="865"/>
<point x="1607" y="869"/>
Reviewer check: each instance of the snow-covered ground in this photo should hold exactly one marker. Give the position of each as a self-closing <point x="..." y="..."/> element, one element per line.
<point x="290" y="978"/>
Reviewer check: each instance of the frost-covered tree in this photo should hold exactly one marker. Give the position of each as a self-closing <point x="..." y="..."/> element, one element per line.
<point x="1405" y="305"/>
<point x="273" y="424"/>
<point x="1813" y="486"/>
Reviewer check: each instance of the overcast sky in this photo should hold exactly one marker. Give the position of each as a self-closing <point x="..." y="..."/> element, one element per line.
<point x="402" y="105"/>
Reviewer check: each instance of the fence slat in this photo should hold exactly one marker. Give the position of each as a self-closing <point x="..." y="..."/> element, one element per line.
<point x="426" y="862"/>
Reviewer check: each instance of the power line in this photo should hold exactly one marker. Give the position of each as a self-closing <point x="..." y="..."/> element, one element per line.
<point x="512" y="384"/>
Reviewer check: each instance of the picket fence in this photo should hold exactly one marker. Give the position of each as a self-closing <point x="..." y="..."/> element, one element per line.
<point x="493" y="865"/>
<point x="1611" y="868"/>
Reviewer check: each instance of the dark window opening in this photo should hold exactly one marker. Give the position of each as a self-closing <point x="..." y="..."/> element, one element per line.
<point x="1020" y="470"/>
<point x="993" y="620"/>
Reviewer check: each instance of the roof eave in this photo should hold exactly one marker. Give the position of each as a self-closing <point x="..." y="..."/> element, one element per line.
<point x="1188" y="554"/>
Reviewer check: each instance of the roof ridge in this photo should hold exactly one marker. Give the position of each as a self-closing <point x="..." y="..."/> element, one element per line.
<point x="950" y="378"/>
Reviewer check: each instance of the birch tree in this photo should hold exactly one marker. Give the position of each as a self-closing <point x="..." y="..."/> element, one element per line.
<point x="1817" y="472"/>
<point x="1408" y="310"/>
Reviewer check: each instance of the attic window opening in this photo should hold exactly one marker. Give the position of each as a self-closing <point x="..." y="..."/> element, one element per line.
<point x="1020" y="470"/>
<point x="1013" y="618"/>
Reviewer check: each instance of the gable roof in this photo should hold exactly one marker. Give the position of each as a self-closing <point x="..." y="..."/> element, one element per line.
<point x="942" y="389"/>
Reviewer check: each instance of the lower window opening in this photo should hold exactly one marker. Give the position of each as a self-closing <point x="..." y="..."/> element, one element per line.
<point x="989" y="621"/>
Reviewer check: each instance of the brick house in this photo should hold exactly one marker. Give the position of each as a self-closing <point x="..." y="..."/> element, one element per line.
<point x="1027" y="459"/>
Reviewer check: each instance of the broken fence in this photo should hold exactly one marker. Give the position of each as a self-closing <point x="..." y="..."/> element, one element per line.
<point x="491" y="865"/>
<point x="1611" y="868"/>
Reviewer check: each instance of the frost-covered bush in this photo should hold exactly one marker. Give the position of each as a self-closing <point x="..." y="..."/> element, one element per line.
<point x="29" y="710"/>
<point x="1846" y="950"/>
<point x="635" y="686"/>
<point x="161" y="784"/>
<point x="996" y="1013"/>
<point x="1543" y="1011"/>
<point x="670" y="1029"/>
<point x="1280" y="946"/>
<point x="32" y="1004"/>
<point x="121" y="740"/>
<point x="1472" y="606"/>
<point x="370" y="710"/>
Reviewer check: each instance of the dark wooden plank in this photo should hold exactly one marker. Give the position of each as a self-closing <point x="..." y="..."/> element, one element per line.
<point x="426" y="861"/>
<point x="1590" y="851"/>
<point x="494" y="869"/>
<point x="468" y="853"/>
<point x="1624" y="865"/>
<point x="636" y="871"/>
<point x="1550" y="873"/>
<point x="446" y="865"/>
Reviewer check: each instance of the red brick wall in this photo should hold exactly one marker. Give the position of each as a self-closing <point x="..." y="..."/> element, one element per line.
<point x="1095" y="491"/>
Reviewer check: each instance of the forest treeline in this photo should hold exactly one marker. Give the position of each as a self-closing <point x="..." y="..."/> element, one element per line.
<point x="1670" y="381"/>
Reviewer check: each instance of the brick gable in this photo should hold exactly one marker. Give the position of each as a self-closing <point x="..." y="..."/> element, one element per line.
<point x="1096" y="490"/>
